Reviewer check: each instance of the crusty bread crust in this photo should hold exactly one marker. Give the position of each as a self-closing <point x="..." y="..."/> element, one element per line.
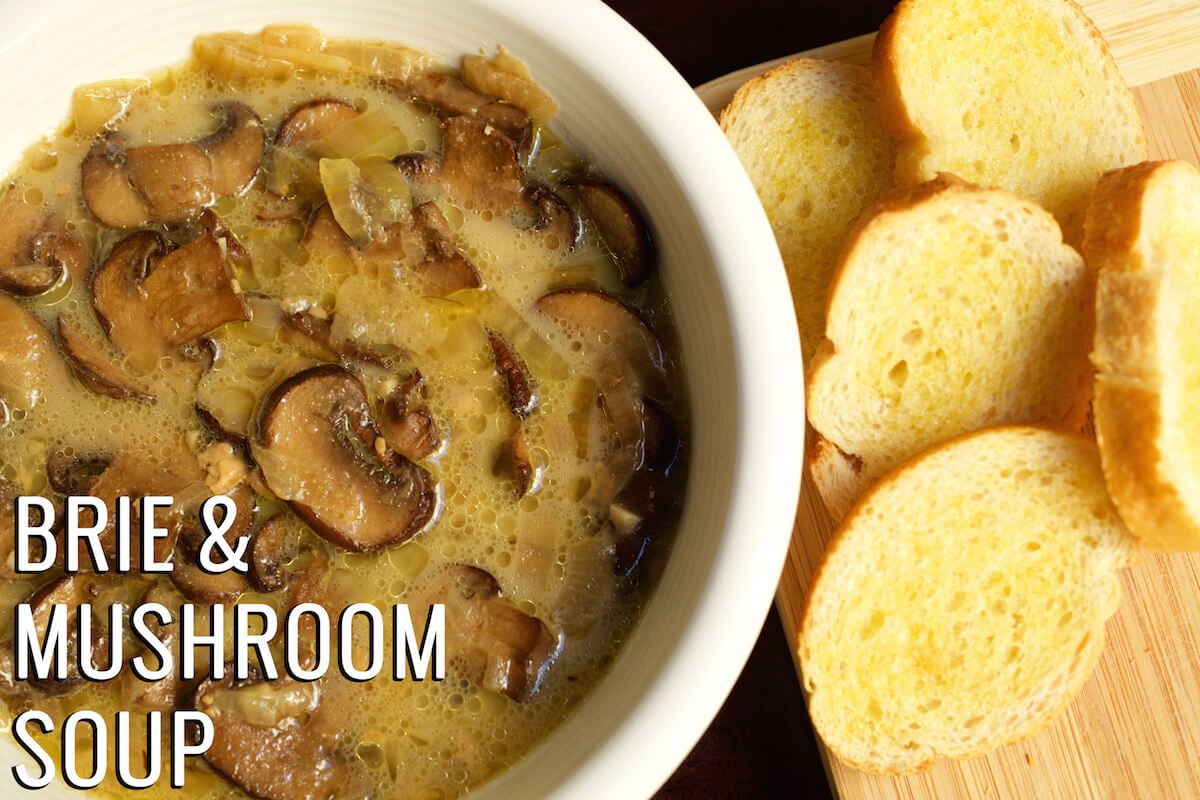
<point x="1133" y="240"/>
<point x="1046" y="130"/>
<point x="961" y="605"/>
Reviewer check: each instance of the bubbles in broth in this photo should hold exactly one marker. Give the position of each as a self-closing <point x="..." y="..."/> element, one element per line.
<point x="418" y="343"/>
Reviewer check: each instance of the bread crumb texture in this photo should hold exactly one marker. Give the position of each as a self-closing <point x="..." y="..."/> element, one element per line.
<point x="954" y="308"/>
<point x="1022" y="94"/>
<point x="809" y="135"/>
<point x="1143" y="237"/>
<point x="962" y="604"/>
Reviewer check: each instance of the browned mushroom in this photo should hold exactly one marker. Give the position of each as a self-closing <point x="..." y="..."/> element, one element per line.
<point x="453" y="97"/>
<point x="127" y="187"/>
<point x="437" y="265"/>
<point x="190" y="578"/>
<point x="308" y="122"/>
<point x="315" y="442"/>
<point x="272" y="739"/>
<point x="95" y="368"/>
<point x="31" y="367"/>
<point x="522" y="399"/>
<point x="272" y="546"/>
<point x="72" y="591"/>
<point x="480" y="169"/>
<point x="494" y="644"/>
<point x="109" y="477"/>
<point x="74" y="474"/>
<point x="411" y="432"/>
<point x="615" y="335"/>
<point x="324" y="240"/>
<point x="621" y="226"/>
<point x="235" y="148"/>
<point x="167" y="693"/>
<point x="517" y="458"/>
<point x="152" y="298"/>
<point x="37" y="251"/>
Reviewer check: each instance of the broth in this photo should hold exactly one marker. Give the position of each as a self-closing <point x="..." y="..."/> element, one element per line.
<point x="419" y="344"/>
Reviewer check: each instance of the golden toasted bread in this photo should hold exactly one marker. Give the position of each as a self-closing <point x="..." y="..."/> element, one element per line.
<point x="1022" y="94"/>
<point x="962" y="603"/>
<point x="1143" y="237"/>
<point x="954" y="308"/>
<point x="809" y="135"/>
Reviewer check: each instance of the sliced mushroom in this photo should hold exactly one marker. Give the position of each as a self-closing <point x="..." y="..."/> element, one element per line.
<point x="167" y="693"/>
<point x="271" y="739"/>
<point x="235" y="148"/>
<point x="316" y="445"/>
<point x="522" y="399"/>
<point x="480" y="169"/>
<point x="453" y="97"/>
<point x="621" y="226"/>
<point x="549" y="214"/>
<point x="309" y="122"/>
<point x="190" y="578"/>
<point x="123" y="474"/>
<point x="517" y="460"/>
<point x="151" y="298"/>
<point x="643" y="508"/>
<point x="95" y="368"/>
<point x="479" y="164"/>
<point x="272" y="546"/>
<point x="324" y="239"/>
<point x="495" y="644"/>
<point x="74" y="474"/>
<point x="612" y="332"/>
<point x="37" y="251"/>
<point x="411" y="432"/>
<point x="436" y="263"/>
<point x="31" y="367"/>
<point x="128" y="187"/>
<point x="71" y="591"/>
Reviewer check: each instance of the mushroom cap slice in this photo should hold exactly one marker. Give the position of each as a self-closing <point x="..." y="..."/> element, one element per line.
<point x="128" y="187"/>
<point x="151" y="298"/>
<point x="316" y="444"/>
<point x="96" y="369"/>
<point x="522" y="399"/>
<point x="31" y="367"/>
<point x="497" y="645"/>
<point x="235" y="149"/>
<point x="36" y="250"/>
<point x="621" y="226"/>
<point x="610" y="330"/>
<point x="270" y="739"/>
<point x="308" y="122"/>
<point x="452" y="97"/>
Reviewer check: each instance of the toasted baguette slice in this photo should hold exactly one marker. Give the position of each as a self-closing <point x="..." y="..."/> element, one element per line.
<point x="962" y="604"/>
<point x="809" y="135"/>
<point x="954" y="308"/>
<point x="1022" y="94"/>
<point x="1143" y="235"/>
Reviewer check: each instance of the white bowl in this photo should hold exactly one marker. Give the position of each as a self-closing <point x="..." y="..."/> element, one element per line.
<point x="628" y="110"/>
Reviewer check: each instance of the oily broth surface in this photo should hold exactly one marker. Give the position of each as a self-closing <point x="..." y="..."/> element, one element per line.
<point x="546" y="550"/>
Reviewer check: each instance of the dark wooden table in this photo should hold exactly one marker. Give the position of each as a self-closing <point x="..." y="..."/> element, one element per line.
<point x="761" y="744"/>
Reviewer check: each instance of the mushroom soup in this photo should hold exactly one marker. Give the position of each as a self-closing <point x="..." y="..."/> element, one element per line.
<point x="417" y="343"/>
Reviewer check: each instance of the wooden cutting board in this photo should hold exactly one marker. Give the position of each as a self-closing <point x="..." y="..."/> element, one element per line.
<point x="1134" y="730"/>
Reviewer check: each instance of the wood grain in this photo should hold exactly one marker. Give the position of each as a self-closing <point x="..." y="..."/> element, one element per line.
<point x="1134" y="730"/>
